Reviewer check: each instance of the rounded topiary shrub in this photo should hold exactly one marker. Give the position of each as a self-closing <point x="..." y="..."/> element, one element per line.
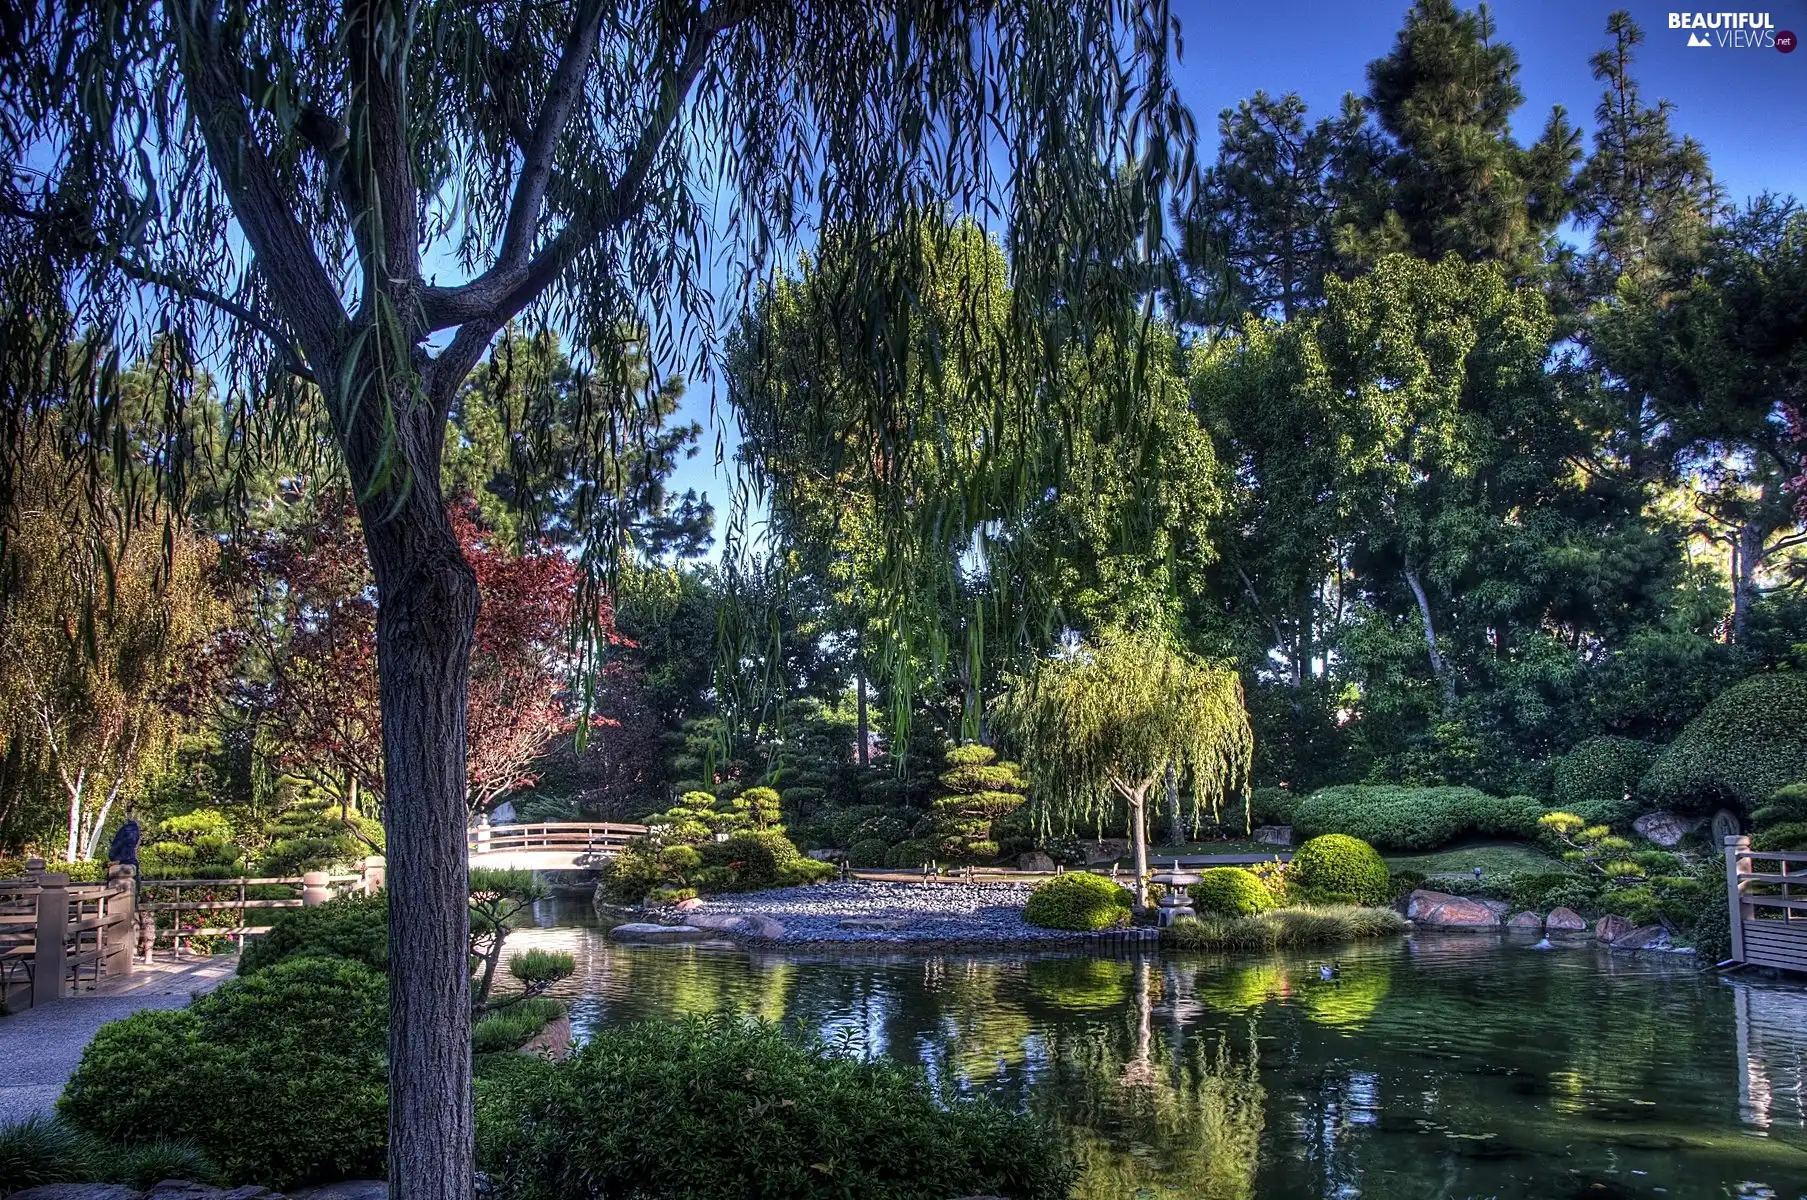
<point x="1337" y="867"/>
<point x="867" y="852"/>
<point x="1749" y="742"/>
<point x="1078" y="901"/>
<point x="1593" y="779"/>
<point x="1230" y="892"/>
<point x="354" y="927"/>
<point x="724" y="1107"/>
<point x="279" y="1078"/>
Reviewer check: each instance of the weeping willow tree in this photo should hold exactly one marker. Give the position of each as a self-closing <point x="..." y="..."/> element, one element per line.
<point x="1104" y="722"/>
<point x="334" y="207"/>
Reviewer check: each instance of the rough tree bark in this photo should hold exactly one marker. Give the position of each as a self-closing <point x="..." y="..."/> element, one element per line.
<point x="1137" y="797"/>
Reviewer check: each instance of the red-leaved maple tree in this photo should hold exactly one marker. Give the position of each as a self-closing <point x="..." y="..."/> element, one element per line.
<point x="313" y="583"/>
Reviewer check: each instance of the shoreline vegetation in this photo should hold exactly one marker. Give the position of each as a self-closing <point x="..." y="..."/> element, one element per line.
<point x="1284" y="928"/>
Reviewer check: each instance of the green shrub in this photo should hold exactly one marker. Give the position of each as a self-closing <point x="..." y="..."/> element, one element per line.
<point x="1593" y="779"/>
<point x="1785" y="806"/>
<point x="911" y="852"/>
<point x="354" y="927"/>
<point x="1402" y="818"/>
<point x="1748" y="743"/>
<point x="1335" y="867"/>
<point x="1230" y="892"/>
<point x="1790" y="835"/>
<point x="1283" y="928"/>
<point x="1078" y="900"/>
<point x="510" y="1028"/>
<point x="1272" y="806"/>
<point x="722" y="1107"/>
<point x="762" y="858"/>
<point x="78" y="871"/>
<point x="868" y="852"/>
<point x="279" y="1077"/>
<point x="633" y="872"/>
<point x="37" y="1152"/>
<point x="1401" y="884"/>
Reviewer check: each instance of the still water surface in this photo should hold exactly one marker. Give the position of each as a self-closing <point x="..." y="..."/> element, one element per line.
<point x="1430" y="1067"/>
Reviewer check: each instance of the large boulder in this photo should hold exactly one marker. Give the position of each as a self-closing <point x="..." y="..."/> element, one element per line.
<point x="1442" y="910"/>
<point x="1525" y="920"/>
<point x="1644" y="937"/>
<point x="747" y="924"/>
<point x="1104" y="850"/>
<point x="1274" y="835"/>
<point x="1565" y="920"/>
<point x="1663" y="828"/>
<point x="1610" y="929"/>
<point x="1034" y="860"/>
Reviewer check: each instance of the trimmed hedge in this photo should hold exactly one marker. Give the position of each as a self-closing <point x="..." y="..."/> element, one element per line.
<point x="1230" y="892"/>
<point x="279" y="1078"/>
<point x="1334" y="867"/>
<point x="1750" y="742"/>
<point x="354" y="927"/>
<point x="1593" y="779"/>
<point x="724" y="1107"/>
<point x="1403" y="818"/>
<point x="1079" y="901"/>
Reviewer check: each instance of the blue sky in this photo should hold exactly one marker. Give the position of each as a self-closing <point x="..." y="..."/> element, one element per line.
<point x="1748" y="107"/>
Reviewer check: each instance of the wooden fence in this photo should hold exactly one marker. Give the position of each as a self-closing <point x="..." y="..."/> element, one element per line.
<point x="54" y="934"/>
<point x="1769" y="916"/>
<point x="242" y="902"/>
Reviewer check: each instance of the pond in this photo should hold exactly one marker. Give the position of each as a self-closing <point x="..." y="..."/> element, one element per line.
<point x="1429" y="1066"/>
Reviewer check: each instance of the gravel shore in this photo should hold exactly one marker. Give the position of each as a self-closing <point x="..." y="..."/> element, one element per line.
<point x="924" y="913"/>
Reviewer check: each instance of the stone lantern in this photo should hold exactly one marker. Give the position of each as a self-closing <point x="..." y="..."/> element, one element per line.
<point x="1175" y="902"/>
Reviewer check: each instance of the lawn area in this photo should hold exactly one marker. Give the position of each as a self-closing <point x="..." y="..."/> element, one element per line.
<point x="1226" y="846"/>
<point x="1491" y="857"/>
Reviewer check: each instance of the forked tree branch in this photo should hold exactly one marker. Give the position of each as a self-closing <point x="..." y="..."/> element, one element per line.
<point x="293" y="361"/>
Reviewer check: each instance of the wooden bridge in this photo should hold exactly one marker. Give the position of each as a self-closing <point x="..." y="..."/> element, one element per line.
<point x="1768" y="894"/>
<point x="549" y="845"/>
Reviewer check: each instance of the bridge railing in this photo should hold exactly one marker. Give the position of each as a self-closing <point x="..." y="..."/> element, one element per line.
<point x="574" y="837"/>
<point x="54" y="934"/>
<point x="1768" y="895"/>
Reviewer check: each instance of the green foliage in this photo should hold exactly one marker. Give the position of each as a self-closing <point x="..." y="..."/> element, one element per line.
<point x="510" y="1028"/>
<point x="1283" y="928"/>
<point x="1402" y="818"/>
<point x="1596" y="779"/>
<point x="280" y="1076"/>
<point x="867" y="852"/>
<point x="39" y="1151"/>
<point x="1748" y="743"/>
<point x="1230" y="892"/>
<point x="1786" y="805"/>
<point x="1334" y="867"/>
<point x="722" y="1107"/>
<point x="537" y="967"/>
<point x="1078" y="900"/>
<point x="1272" y="806"/>
<point x="911" y="852"/>
<point x="354" y="927"/>
<point x="977" y="792"/>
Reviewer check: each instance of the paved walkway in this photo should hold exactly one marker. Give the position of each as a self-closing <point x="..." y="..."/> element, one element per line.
<point x="41" y="1046"/>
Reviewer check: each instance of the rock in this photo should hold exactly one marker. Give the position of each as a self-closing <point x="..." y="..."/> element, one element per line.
<point x="1663" y="828"/>
<point x="688" y="906"/>
<point x="1104" y="850"/>
<point x="1034" y="860"/>
<point x="554" y="1042"/>
<point x="182" y="1189"/>
<point x="643" y="932"/>
<point x="876" y="924"/>
<point x="349" y="1189"/>
<point x="1274" y="835"/>
<point x="1644" y="937"/>
<point x="1565" y="920"/>
<point x="79" y="1191"/>
<point x="1608" y="929"/>
<point x="749" y="924"/>
<point x="1524" y="920"/>
<point x="1498" y="908"/>
<point x="1450" y="912"/>
<point x="829" y="855"/>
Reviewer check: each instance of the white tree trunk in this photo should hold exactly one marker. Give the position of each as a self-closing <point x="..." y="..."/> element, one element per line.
<point x="75" y="789"/>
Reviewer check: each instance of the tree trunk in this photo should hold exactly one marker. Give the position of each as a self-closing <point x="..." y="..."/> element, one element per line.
<point x="1438" y="667"/>
<point x="863" y="750"/>
<point x="1747" y="555"/>
<point x="427" y="609"/>
<point x="1176" y="829"/>
<point x="1138" y="838"/>
<point x="75" y="812"/>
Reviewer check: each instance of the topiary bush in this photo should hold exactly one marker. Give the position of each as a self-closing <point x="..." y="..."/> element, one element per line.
<point x="1336" y="868"/>
<point x="1749" y="742"/>
<point x="1593" y="779"/>
<point x="354" y="927"/>
<point x="1080" y="901"/>
<point x="279" y="1078"/>
<point x="1230" y="892"/>
<point x="1272" y="806"/>
<point x="1403" y="818"/>
<point x="724" y="1107"/>
<point x="867" y="852"/>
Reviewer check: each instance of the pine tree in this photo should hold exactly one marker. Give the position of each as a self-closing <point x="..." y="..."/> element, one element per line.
<point x="979" y="791"/>
<point x="1454" y="179"/>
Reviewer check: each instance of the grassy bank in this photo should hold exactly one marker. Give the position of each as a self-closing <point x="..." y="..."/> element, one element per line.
<point x="1492" y="857"/>
<point x="1283" y="928"/>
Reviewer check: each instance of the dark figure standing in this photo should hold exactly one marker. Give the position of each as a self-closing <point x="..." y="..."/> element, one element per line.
<point x="124" y="847"/>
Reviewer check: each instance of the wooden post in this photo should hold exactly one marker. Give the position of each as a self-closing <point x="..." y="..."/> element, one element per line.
<point x="315" y="889"/>
<point x="122" y="924"/>
<point x="375" y="871"/>
<point x="1737" y="853"/>
<point x="52" y="961"/>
